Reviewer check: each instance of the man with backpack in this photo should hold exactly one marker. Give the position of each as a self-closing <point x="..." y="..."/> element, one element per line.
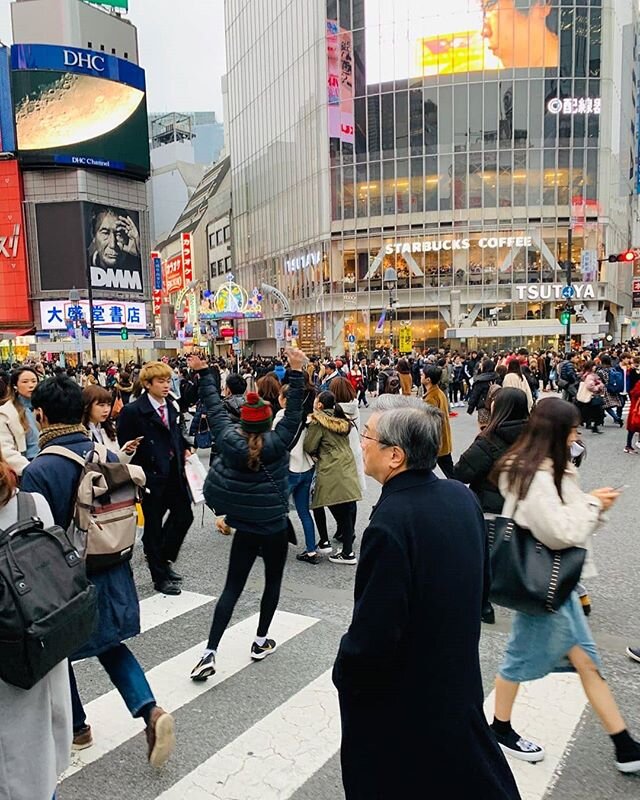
<point x="58" y="406"/>
<point x="613" y="379"/>
<point x="388" y="378"/>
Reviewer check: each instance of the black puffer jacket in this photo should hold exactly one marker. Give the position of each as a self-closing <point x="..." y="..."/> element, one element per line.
<point x="479" y="391"/>
<point x="249" y="499"/>
<point x="477" y="462"/>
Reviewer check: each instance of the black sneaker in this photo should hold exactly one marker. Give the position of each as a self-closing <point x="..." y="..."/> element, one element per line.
<point x="488" y="615"/>
<point x="324" y="547"/>
<point x="629" y="760"/>
<point x="634" y="653"/>
<point x="514" y="745"/>
<point x="205" y="668"/>
<point x="260" y="651"/>
<point x="343" y="558"/>
<point x="314" y="559"/>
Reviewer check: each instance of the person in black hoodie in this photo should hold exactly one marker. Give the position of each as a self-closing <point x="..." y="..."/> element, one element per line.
<point x="479" y="391"/>
<point x="509" y="417"/>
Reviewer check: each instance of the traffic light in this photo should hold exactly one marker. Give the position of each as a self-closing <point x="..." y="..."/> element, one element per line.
<point x="626" y="258"/>
<point x="124" y="334"/>
<point x="565" y="317"/>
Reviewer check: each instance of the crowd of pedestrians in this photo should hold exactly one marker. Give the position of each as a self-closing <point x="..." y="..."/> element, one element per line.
<point x="288" y="430"/>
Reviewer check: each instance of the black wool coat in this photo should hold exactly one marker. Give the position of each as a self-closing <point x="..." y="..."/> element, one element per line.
<point x="408" y="669"/>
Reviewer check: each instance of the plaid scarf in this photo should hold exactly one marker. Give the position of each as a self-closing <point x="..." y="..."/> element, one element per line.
<point x="56" y="431"/>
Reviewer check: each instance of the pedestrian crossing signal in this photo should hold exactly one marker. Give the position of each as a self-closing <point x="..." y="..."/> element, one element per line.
<point x="124" y="334"/>
<point x="565" y="317"/>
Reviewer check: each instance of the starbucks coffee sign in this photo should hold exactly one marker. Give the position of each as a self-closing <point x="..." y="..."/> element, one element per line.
<point x="553" y="291"/>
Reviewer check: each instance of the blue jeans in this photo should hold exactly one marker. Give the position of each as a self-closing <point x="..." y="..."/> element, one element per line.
<point x="300" y="488"/>
<point x="126" y="675"/>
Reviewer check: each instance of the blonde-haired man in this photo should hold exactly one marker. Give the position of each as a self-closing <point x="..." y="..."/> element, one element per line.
<point x="154" y="422"/>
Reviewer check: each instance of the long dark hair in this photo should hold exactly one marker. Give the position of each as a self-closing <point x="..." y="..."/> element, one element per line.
<point x="514" y="367"/>
<point x="545" y="437"/>
<point x="328" y="401"/>
<point x="14" y="394"/>
<point x="255" y="443"/>
<point x="508" y="405"/>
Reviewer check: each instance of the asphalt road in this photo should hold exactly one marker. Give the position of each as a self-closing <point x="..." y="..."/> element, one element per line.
<point x="219" y="731"/>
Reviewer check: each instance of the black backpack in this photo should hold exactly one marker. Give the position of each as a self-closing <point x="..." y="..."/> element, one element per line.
<point x="392" y="384"/>
<point x="47" y="605"/>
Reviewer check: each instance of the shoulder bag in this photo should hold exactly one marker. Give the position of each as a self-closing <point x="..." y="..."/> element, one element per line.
<point x="527" y="576"/>
<point x="291" y="533"/>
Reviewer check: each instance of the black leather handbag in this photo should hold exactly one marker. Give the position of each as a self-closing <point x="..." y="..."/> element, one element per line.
<point x="527" y="576"/>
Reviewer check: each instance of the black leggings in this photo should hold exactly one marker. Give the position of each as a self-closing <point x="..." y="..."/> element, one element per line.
<point x="345" y="517"/>
<point x="246" y="547"/>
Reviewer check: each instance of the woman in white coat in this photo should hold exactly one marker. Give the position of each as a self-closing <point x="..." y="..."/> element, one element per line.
<point x="35" y="724"/>
<point x="19" y="432"/>
<point x="540" y="487"/>
<point x="98" y="403"/>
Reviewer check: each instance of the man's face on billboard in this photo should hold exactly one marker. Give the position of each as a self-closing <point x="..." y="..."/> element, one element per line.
<point x="519" y="38"/>
<point x="109" y="240"/>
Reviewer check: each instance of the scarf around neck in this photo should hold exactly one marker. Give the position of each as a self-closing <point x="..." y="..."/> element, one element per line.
<point x="58" y="430"/>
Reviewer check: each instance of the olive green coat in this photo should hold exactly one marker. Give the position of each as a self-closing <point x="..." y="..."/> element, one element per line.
<point x="336" y="479"/>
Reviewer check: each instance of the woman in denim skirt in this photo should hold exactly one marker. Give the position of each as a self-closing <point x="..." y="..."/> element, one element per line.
<point x="541" y="491"/>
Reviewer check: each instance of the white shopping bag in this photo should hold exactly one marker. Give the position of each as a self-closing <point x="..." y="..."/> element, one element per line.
<point x="196" y="475"/>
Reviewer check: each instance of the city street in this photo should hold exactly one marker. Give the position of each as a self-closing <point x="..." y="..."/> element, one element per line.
<point x="271" y="730"/>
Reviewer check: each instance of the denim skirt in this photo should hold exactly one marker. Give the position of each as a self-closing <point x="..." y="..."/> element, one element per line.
<point x="539" y="645"/>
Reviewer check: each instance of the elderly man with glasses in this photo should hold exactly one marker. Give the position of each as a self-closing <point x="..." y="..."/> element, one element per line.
<point x="408" y="669"/>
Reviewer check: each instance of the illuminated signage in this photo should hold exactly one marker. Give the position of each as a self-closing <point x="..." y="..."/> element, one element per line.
<point x="187" y="258"/>
<point x="78" y="58"/>
<point x="411" y="39"/>
<point x="303" y="261"/>
<point x="14" y="280"/>
<point x="574" y="105"/>
<point x="436" y="245"/>
<point x="107" y="314"/>
<point x="553" y="291"/>
<point x="173" y="274"/>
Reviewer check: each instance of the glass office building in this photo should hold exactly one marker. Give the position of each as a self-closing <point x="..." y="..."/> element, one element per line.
<point x="451" y="149"/>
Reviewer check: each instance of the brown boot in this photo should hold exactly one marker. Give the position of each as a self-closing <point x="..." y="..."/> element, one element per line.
<point x="161" y="737"/>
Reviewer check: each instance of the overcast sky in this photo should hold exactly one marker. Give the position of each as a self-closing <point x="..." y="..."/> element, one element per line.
<point x="181" y="48"/>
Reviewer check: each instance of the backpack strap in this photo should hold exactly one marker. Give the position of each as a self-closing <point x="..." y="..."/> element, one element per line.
<point x="64" y="453"/>
<point x="26" y="507"/>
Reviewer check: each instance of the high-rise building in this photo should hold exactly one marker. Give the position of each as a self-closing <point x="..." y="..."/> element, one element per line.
<point x="422" y="172"/>
<point x="79" y="101"/>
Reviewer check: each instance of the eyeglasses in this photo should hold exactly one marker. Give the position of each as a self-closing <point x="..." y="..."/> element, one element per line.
<point x="373" y="439"/>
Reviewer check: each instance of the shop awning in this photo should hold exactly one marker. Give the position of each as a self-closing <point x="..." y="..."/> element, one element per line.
<point x="14" y="333"/>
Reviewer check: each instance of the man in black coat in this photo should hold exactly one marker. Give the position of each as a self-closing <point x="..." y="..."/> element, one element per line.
<point x="408" y="669"/>
<point x="162" y="451"/>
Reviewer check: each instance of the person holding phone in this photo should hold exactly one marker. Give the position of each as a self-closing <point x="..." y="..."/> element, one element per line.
<point x="542" y="494"/>
<point x="102" y="430"/>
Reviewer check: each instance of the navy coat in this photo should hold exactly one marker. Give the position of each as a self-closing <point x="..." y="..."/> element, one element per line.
<point x="160" y="446"/>
<point x="248" y="498"/>
<point x="56" y="478"/>
<point x="408" y="669"/>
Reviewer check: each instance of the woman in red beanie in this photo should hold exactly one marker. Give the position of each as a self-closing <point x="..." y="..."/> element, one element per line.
<point x="249" y="483"/>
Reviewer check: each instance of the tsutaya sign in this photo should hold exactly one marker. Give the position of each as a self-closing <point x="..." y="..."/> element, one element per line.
<point x="435" y="245"/>
<point x="553" y="291"/>
<point x="303" y="261"/>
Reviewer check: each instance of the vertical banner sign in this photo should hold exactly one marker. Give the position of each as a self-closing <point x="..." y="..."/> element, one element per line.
<point x="156" y="270"/>
<point x="636" y="283"/>
<point x="406" y="339"/>
<point x="381" y="321"/>
<point x="340" y="86"/>
<point x="187" y="263"/>
<point x="15" y="308"/>
<point x="173" y="275"/>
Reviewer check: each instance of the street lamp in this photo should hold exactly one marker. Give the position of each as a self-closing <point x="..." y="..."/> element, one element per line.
<point x="390" y="280"/>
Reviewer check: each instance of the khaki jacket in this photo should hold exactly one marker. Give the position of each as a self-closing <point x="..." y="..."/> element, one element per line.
<point x="336" y="479"/>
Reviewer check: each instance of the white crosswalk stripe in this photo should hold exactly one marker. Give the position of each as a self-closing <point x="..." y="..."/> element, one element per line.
<point x="546" y="712"/>
<point x="259" y="764"/>
<point x="110" y="719"/>
<point x="158" y="609"/>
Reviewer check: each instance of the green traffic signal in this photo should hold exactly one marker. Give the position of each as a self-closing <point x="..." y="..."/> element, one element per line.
<point x="124" y="334"/>
<point x="565" y="317"/>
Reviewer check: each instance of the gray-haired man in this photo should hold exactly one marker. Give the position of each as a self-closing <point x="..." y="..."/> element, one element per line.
<point x="408" y="670"/>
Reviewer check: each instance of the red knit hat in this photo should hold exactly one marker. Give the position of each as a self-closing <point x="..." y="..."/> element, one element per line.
<point x="255" y="414"/>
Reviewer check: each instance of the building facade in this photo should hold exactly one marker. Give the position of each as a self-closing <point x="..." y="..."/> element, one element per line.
<point x="83" y="175"/>
<point x="415" y="174"/>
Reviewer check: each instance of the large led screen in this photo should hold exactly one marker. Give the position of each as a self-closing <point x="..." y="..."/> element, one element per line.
<point x="408" y="39"/>
<point x="79" y="108"/>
